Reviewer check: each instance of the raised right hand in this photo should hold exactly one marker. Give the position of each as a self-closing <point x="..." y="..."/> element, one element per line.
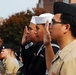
<point x="25" y="37"/>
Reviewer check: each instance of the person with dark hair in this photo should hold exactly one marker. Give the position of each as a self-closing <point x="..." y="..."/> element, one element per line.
<point x="40" y="21"/>
<point x="8" y="62"/>
<point x="63" y="31"/>
<point x="28" y="47"/>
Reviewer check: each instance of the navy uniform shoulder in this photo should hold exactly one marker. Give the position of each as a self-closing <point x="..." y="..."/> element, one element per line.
<point x="28" y="45"/>
<point x="55" y="46"/>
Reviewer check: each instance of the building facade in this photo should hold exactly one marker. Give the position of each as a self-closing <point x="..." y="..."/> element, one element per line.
<point x="48" y="4"/>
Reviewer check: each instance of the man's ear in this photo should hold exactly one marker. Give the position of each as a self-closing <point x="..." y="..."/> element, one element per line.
<point x="66" y="28"/>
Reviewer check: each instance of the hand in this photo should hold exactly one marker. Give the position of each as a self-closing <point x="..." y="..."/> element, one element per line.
<point x="47" y="36"/>
<point x="25" y="37"/>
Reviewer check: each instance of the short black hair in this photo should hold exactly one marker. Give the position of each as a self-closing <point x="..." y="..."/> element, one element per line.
<point x="68" y="19"/>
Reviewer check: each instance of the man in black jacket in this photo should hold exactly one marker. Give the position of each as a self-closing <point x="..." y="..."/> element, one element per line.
<point x="40" y="25"/>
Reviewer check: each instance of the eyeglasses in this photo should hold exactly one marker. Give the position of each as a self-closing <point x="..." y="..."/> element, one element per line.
<point x="54" y="22"/>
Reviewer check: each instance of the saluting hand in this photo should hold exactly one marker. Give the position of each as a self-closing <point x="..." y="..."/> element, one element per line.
<point x="47" y="36"/>
<point x="25" y="35"/>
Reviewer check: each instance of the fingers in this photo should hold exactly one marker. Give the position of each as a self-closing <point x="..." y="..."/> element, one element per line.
<point x="25" y="30"/>
<point x="47" y="27"/>
<point x="47" y="36"/>
<point x="25" y="35"/>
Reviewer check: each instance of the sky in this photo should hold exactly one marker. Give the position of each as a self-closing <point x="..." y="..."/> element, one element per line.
<point x="10" y="7"/>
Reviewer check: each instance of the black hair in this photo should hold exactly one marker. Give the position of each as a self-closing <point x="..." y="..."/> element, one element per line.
<point x="68" y="19"/>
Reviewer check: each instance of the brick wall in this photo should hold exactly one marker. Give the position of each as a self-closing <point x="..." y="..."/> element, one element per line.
<point x="48" y="4"/>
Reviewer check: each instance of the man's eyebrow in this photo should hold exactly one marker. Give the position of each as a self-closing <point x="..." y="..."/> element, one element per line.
<point x="37" y="27"/>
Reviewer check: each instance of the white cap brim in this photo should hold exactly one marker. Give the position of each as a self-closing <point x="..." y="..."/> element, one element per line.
<point x="33" y="20"/>
<point x="43" y="18"/>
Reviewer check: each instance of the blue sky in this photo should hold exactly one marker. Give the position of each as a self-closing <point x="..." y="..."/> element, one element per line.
<point x="10" y="7"/>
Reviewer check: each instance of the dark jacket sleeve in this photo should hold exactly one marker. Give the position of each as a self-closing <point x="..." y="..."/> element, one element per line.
<point x="27" y="54"/>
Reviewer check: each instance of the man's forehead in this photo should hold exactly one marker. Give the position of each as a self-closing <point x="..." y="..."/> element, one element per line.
<point x="32" y="27"/>
<point x="38" y="25"/>
<point x="31" y="24"/>
<point x="4" y="50"/>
